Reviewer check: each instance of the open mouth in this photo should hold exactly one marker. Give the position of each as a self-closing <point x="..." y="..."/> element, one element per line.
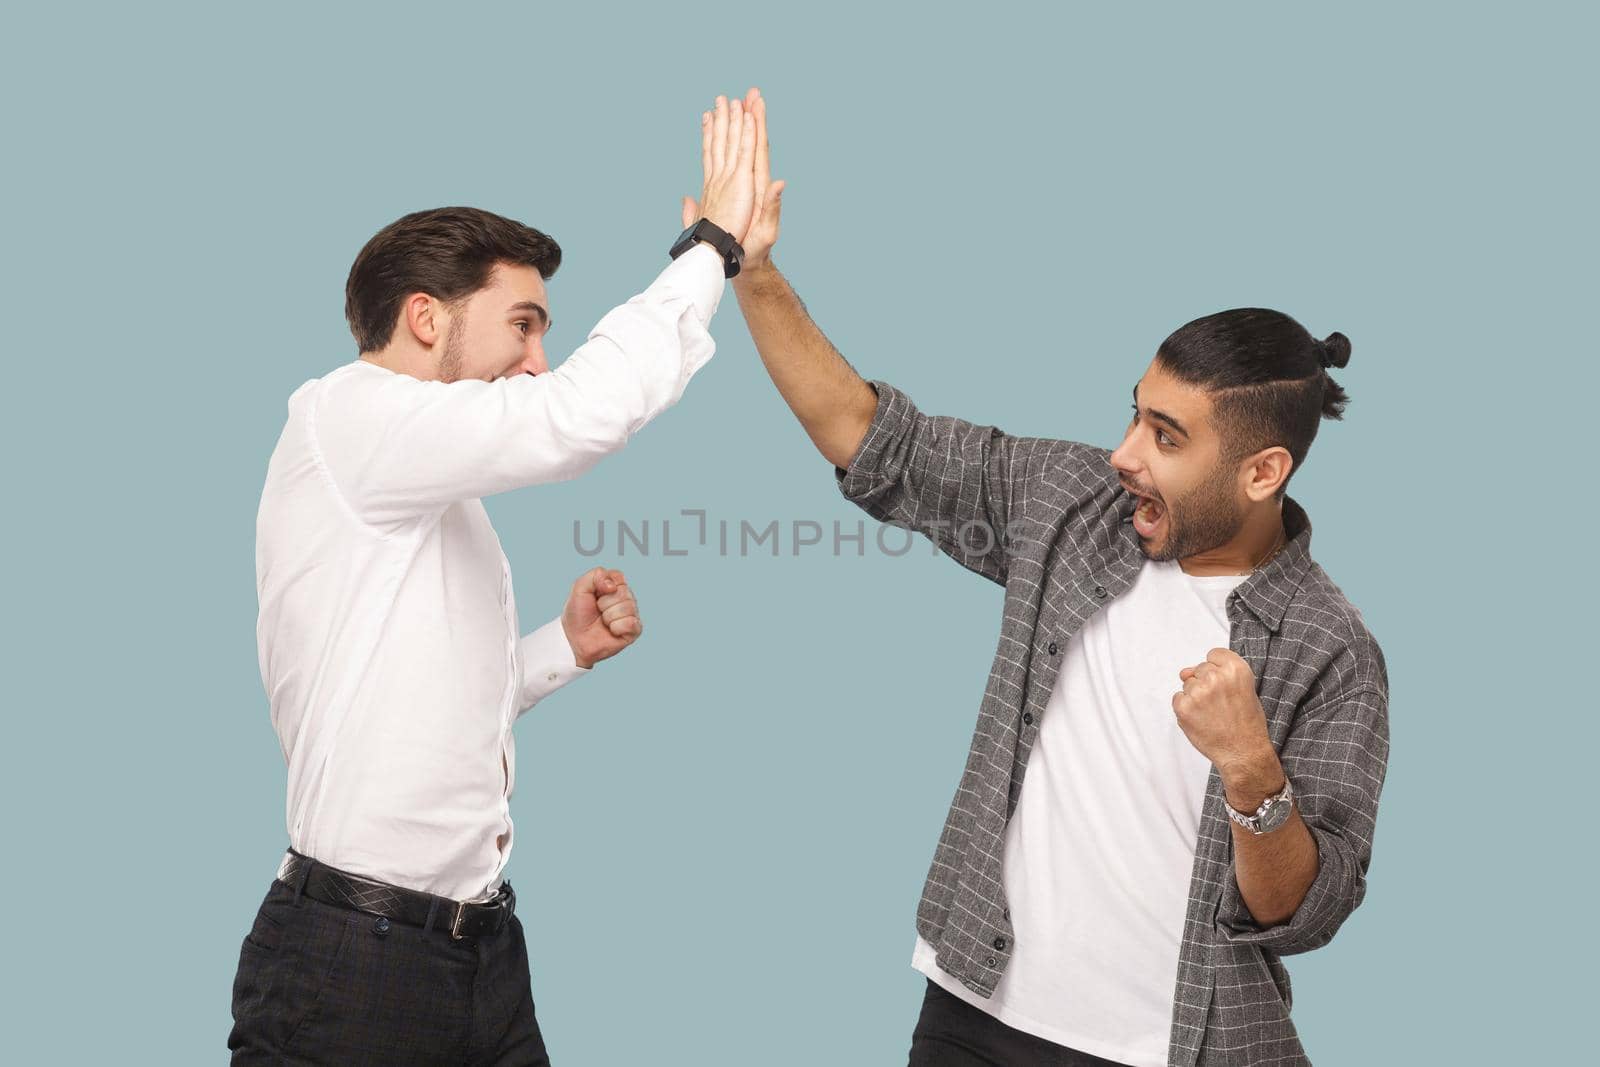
<point x="1149" y="516"/>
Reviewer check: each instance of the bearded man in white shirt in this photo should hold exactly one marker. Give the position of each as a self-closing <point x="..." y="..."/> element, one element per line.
<point x="388" y="637"/>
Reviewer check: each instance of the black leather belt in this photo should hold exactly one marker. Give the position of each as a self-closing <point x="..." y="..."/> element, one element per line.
<point x="463" y="918"/>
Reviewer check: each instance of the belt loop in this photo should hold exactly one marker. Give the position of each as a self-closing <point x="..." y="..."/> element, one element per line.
<point x="433" y="909"/>
<point x="305" y="875"/>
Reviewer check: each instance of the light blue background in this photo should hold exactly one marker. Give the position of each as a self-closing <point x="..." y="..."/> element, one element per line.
<point x="722" y="834"/>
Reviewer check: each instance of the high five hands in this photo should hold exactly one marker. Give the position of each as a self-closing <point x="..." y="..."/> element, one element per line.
<point x="739" y="194"/>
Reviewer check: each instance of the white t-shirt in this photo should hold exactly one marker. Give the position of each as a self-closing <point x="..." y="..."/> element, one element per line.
<point x="1100" y="848"/>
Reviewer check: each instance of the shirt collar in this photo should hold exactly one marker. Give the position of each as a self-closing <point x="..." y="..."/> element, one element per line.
<point x="1270" y="587"/>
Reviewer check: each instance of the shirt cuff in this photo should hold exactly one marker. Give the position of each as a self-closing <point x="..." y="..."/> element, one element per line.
<point x="889" y="420"/>
<point x="698" y="275"/>
<point x="547" y="663"/>
<point x="1333" y="894"/>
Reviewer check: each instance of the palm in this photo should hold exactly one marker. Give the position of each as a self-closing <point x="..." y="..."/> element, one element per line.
<point x="760" y="233"/>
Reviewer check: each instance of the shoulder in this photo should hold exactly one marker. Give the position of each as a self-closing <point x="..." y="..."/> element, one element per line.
<point x="1322" y="617"/>
<point x="1070" y="476"/>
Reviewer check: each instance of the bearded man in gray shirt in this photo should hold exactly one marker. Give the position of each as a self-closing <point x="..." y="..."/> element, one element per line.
<point x="1204" y="714"/>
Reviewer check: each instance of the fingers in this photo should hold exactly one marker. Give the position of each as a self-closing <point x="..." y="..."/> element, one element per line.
<point x="616" y="605"/>
<point x="719" y="136"/>
<point x="747" y="145"/>
<point x="763" y="166"/>
<point x="731" y="155"/>
<point x="621" y="614"/>
<point x="729" y="134"/>
<point x="705" y="146"/>
<point x="729" y="198"/>
<point x="631" y="627"/>
<point x="771" y="205"/>
<point x="588" y="582"/>
<point x="599" y="581"/>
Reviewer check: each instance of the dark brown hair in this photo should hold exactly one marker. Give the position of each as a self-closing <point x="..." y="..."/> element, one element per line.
<point x="446" y="252"/>
<point x="1267" y="376"/>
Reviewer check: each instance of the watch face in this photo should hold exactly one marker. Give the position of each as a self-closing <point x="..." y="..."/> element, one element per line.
<point x="1275" y="816"/>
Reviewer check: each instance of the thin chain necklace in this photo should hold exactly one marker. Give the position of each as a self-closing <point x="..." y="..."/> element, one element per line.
<point x="1277" y="545"/>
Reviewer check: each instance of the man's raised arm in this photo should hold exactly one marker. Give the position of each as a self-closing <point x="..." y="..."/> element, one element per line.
<point x="400" y="447"/>
<point x="833" y="403"/>
<point x="948" y="478"/>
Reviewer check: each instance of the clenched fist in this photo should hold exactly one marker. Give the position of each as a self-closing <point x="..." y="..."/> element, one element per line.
<point x="1220" y="714"/>
<point x="601" y="617"/>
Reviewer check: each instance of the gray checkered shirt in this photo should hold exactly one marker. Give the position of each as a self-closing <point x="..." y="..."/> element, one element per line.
<point x="1048" y="520"/>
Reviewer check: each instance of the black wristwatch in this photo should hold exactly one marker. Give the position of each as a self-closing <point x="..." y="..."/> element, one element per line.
<point x="720" y="239"/>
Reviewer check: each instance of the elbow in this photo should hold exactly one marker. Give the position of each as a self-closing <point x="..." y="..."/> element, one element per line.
<point x="840" y="448"/>
<point x="843" y="441"/>
<point x="591" y="427"/>
<point x="1335" y="892"/>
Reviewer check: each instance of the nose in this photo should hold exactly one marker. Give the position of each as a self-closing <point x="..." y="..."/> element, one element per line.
<point x="1122" y="458"/>
<point x="534" y="362"/>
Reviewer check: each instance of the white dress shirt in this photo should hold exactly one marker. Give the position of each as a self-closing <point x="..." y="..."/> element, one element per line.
<point x="387" y="635"/>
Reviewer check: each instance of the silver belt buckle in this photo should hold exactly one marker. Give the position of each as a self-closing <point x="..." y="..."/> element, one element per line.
<point x="461" y="912"/>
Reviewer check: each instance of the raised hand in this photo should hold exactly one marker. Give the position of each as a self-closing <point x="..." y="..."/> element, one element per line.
<point x="727" y="157"/>
<point x="1219" y="712"/>
<point x="763" y="232"/>
<point x="601" y="617"/>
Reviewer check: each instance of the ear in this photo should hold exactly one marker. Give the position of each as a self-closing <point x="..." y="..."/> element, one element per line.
<point x="1265" y="471"/>
<point x="425" y="318"/>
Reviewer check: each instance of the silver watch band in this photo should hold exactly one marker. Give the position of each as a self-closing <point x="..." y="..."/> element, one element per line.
<point x="1253" y="823"/>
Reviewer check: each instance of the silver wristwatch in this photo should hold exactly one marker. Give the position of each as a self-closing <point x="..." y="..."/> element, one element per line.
<point x="1273" y="812"/>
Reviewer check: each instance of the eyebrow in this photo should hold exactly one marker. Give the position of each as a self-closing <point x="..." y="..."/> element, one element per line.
<point x="1162" y="415"/>
<point x="529" y="305"/>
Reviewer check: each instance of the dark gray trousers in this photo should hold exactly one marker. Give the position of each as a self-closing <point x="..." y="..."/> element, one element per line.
<point x="952" y="1033"/>
<point x="320" y="984"/>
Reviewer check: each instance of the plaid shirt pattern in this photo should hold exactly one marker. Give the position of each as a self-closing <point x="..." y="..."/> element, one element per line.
<point x="1048" y="520"/>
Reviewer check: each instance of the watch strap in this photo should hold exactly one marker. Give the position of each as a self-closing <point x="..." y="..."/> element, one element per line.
<point x="1253" y="822"/>
<point x="706" y="230"/>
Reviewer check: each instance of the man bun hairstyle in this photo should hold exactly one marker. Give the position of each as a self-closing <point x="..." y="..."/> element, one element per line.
<point x="1268" y="378"/>
<point x="446" y="252"/>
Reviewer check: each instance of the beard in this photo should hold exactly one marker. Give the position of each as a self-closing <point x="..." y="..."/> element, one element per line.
<point x="454" y="349"/>
<point x="1200" y="520"/>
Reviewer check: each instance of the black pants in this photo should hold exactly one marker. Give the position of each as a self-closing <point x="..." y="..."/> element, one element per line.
<point x="952" y="1033"/>
<point x="320" y="984"/>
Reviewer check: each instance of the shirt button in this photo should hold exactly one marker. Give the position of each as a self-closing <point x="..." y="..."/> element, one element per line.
<point x="999" y="942"/>
<point x="1052" y="649"/>
<point x="550" y="677"/>
<point x="380" y="927"/>
<point x="1100" y="591"/>
<point x="993" y="962"/>
<point x="1027" y="720"/>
